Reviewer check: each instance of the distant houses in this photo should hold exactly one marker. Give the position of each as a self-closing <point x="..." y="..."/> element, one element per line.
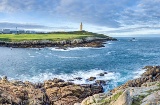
<point x="9" y="31"/>
<point x="6" y="31"/>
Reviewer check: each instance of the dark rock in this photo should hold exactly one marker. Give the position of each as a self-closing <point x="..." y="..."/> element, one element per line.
<point x="78" y="78"/>
<point x="56" y="80"/>
<point x="4" y="78"/>
<point x="100" y="82"/>
<point x="101" y="74"/>
<point x="91" y="78"/>
<point x="70" y="80"/>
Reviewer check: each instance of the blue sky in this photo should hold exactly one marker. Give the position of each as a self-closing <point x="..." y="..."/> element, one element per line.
<point x="111" y="17"/>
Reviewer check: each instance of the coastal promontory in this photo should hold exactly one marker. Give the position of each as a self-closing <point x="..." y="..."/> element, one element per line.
<point x="61" y="40"/>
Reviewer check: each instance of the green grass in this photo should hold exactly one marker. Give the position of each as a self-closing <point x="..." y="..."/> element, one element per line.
<point x="31" y="37"/>
<point x="138" y="100"/>
<point x="113" y="98"/>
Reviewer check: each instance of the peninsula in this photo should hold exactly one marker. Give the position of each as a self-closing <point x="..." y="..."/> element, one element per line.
<point x="61" y="40"/>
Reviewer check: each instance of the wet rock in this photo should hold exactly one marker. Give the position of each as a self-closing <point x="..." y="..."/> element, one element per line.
<point x="70" y="80"/>
<point x="91" y="78"/>
<point x="4" y="78"/>
<point x="78" y="78"/>
<point x="100" y="82"/>
<point x="56" y="80"/>
<point x="101" y="74"/>
<point x="105" y="73"/>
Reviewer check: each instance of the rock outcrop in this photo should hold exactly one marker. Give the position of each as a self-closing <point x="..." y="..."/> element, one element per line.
<point x="141" y="91"/>
<point x="84" y="42"/>
<point x="151" y="74"/>
<point x="51" y="92"/>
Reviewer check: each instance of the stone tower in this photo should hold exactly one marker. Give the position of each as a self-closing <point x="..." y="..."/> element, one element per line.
<point x="81" y="26"/>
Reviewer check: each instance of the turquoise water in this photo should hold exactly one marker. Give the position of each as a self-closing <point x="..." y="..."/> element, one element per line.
<point x="122" y="60"/>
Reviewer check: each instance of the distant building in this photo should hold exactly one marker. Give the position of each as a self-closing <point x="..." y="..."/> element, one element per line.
<point x="6" y="31"/>
<point x="0" y="31"/>
<point x="28" y="32"/>
<point x="33" y="32"/>
<point x="14" y="32"/>
<point x="21" y="32"/>
<point x="81" y="27"/>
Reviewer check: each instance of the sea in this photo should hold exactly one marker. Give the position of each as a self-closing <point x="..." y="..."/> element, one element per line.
<point x="122" y="60"/>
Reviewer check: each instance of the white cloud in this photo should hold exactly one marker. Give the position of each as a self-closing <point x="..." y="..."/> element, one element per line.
<point x="31" y="26"/>
<point x="125" y="16"/>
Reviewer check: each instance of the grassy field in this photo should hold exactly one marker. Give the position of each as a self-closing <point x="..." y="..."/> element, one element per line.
<point x="27" y="37"/>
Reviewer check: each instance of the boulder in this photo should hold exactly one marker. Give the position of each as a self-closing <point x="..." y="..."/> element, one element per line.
<point x="78" y="78"/>
<point x="100" y="82"/>
<point x="101" y="74"/>
<point x="91" y="78"/>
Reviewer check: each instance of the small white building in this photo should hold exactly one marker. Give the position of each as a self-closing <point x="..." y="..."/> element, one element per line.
<point x="6" y="31"/>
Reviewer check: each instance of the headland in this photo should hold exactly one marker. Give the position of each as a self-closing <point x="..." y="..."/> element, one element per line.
<point x="60" y="40"/>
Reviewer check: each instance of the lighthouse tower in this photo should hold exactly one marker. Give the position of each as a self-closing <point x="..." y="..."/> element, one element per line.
<point x="81" y="26"/>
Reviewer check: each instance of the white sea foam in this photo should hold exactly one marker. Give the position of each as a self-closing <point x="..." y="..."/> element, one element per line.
<point x="83" y="74"/>
<point x="69" y="49"/>
<point x="109" y="43"/>
<point x="78" y="48"/>
<point x="29" y="54"/>
<point x="38" y="52"/>
<point x="92" y="56"/>
<point x="32" y="56"/>
<point x="55" y="49"/>
<point x="65" y="57"/>
<point x="138" y="73"/>
<point x="46" y="56"/>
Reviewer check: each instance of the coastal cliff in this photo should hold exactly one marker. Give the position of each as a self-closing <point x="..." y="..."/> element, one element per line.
<point x="141" y="91"/>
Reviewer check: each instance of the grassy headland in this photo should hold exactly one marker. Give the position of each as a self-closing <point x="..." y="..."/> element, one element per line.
<point x="52" y="36"/>
<point x="54" y="39"/>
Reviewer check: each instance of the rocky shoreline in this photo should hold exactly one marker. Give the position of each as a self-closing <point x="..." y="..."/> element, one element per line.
<point x="84" y="42"/>
<point x="140" y="91"/>
<point x="51" y="92"/>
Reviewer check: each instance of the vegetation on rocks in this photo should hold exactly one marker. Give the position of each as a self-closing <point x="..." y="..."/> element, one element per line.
<point x="141" y="91"/>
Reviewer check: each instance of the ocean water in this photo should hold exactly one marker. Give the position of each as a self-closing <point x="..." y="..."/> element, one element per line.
<point x="123" y="60"/>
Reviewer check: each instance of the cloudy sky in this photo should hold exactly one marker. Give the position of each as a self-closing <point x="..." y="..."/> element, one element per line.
<point x="112" y="17"/>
